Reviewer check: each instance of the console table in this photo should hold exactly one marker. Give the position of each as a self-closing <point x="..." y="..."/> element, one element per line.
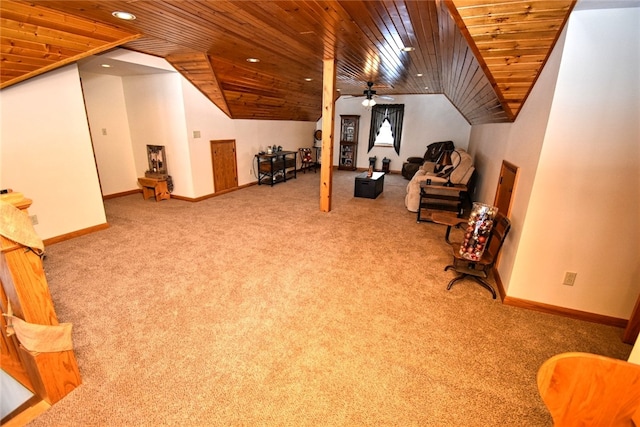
<point x="440" y="198"/>
<point x="276" y="167"/>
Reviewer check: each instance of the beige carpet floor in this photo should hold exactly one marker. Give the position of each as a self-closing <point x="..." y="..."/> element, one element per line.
<point x="256" y="309"/>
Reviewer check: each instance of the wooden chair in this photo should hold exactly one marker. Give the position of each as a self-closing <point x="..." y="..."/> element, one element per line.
<point x="307" y="160"/>
<point x="479" y="270"/>
<point x="582" y="389"/>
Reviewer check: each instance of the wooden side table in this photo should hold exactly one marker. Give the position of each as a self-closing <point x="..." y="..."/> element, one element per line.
<point x="440" y="198"/>
<point x="153" y="187"/>
<point x="276" y="167"/>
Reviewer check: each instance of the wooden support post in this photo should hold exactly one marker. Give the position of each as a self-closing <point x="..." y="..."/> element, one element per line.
<point x="53" y="375"/>
<point x="328" y="103"/>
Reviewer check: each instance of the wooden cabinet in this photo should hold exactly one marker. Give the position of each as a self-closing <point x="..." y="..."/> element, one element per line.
<point x="348" y="142"/>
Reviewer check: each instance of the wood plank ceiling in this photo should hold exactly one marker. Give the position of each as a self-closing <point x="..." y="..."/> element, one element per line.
<point x="483" y="55"/>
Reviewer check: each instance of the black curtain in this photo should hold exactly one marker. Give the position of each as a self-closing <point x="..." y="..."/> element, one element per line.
<point x="377" y="118"/>
<point x="395" y="114"/>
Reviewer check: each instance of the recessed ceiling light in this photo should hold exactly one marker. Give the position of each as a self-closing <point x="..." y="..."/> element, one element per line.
<point x="253" y="60"/>
<point x="408" y="49"/>
<point x="105" y="65"/>
<point x="419" y="75"/>
<point x="124" y="15"/>
<point x="308" y="79"/>
<point x="426" y="88"/>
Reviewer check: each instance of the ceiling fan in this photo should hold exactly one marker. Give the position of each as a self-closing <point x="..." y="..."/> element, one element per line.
<point x="369" y="94"/>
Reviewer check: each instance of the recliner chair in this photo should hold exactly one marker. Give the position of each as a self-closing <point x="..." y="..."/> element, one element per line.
<point x="433" y="153"/>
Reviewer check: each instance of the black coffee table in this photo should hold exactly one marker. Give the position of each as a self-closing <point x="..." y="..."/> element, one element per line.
<point x="369" y="187"/>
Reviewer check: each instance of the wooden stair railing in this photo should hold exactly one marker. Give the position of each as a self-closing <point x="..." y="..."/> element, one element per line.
<point x="50" y="375"/>
<point x="582" y="389"/>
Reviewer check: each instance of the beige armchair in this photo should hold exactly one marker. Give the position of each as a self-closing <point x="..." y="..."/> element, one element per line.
<point x="462" y="172"/>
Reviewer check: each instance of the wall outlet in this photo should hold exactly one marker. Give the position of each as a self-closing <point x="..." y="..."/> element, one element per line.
<point x="34" y="219"/>
<point x="196" y="134"/>
<point x="104" y="131"/>
<point x="569" y="278"/>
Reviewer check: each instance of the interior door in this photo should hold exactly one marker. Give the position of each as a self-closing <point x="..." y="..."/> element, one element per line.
<point x="506" y="186"/>
<point x="225" y="166"/>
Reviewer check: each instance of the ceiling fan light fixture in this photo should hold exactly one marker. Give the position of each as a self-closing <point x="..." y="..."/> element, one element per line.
<point x="368" y="103"/>
<point x="124" y="15"/>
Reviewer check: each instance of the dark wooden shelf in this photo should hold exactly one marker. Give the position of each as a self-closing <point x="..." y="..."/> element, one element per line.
<point x="276" y="167"/>
<point x="440" y="198"/>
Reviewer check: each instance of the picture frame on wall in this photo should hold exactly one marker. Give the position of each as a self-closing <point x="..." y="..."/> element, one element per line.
<point x="157" y="161"/>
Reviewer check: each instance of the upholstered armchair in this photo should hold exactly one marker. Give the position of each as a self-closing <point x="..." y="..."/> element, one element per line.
<point x="462" y="172"/>
<point x="433" y="153"/>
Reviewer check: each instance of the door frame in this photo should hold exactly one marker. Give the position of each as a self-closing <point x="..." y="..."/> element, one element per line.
<point x="507" y="166"/>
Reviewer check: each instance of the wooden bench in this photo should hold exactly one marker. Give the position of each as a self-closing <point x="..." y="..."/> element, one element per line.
<point x="153" y="187"/>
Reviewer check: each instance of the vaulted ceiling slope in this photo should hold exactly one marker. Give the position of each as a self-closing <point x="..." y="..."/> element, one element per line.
<point x="483" y="55"/>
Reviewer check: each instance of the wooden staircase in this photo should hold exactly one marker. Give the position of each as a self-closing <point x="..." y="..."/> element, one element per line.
<point x="48" y="375"/>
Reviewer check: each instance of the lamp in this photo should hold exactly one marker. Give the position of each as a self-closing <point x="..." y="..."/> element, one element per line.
<point x="445" y="160"/>
<point x="368" y="103"/>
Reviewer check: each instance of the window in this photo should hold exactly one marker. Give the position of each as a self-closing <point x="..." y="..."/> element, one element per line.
<point x="385" y="136"/>
<point x="386" y="126"/>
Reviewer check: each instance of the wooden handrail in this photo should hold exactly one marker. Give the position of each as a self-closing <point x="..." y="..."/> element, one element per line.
<point x="50" y="376"/>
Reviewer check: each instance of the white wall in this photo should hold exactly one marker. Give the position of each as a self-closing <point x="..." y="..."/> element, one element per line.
<point x="593" y="131"/>
<point x="155" y="108"/>
<point x="256" y="135"/>
<point x="204" y="117"/>
<point x="251" y="136"/>
<point x="106" y="110"/>
<point x="427" y="119"/>
<point x="519" y="143"/>
<point x="166" y="109"/>
<point x="47" y="153"/>
<point x="584" y="201"/>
